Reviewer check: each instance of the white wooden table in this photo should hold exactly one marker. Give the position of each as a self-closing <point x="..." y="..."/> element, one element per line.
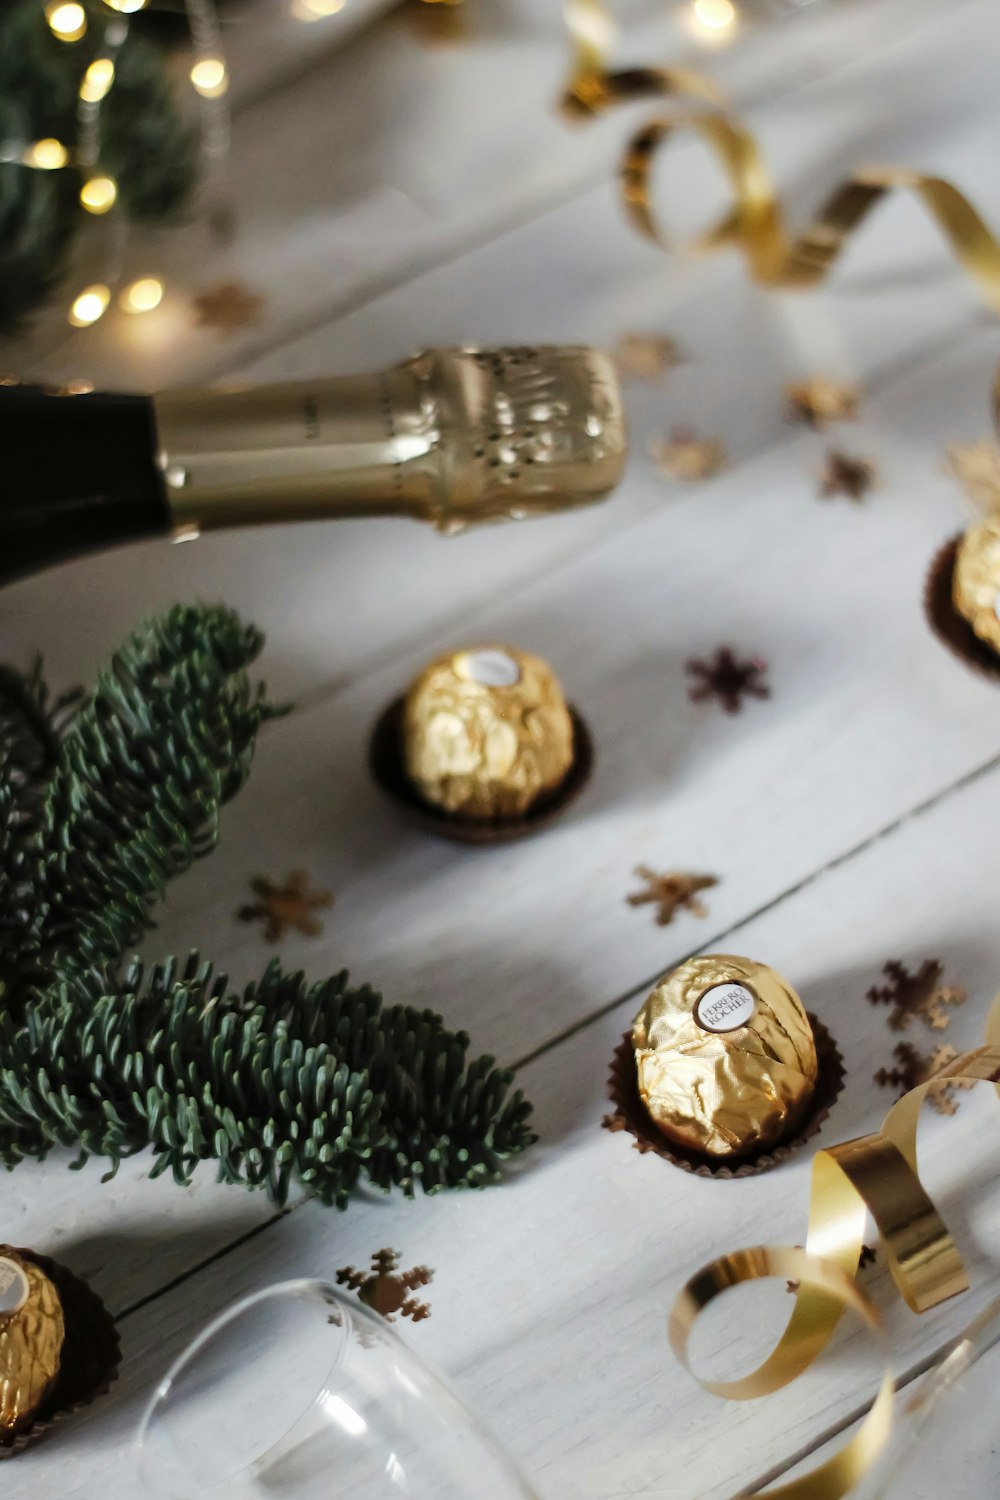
<point x="851" y="818"/>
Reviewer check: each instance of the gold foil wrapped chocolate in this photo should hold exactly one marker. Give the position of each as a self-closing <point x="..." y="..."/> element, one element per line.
<point x="487" y="733"/>
<point x="31" y="1339"/>
<point x="725" y="1057"/>
<point x="976" y="580"/>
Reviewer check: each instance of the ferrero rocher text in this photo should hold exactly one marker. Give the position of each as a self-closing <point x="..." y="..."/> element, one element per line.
<point x="31" y="1339"/>
<point x="725" y="1057"/>
<point x="487" y="733"/>
<point x="976" y="581"/>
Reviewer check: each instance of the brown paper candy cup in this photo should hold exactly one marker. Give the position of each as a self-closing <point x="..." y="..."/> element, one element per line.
<point x="946" y="622"/>
<point x="388" y="767"/>
<point x="630" y="1113"/>
<point x="90" y="1357"/>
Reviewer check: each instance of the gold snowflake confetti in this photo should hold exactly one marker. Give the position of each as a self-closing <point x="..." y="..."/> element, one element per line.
<point x="671" y="893"/>
<point x="683" y="455"/>
<point x="386" y="1289"/>
<point x="281" y="907"/>
<point x="914" y="1067"/>
<point x="845" y="475"/>
<point x="977" y="468"/>
<point x="435" y="22"/>
<point x="918" y="994"/>
<point x="818" y="401"/>
<point x="228" y="307"/>
<point x="645" y="356"/>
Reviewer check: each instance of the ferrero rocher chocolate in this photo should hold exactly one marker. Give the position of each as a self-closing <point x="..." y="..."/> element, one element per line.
<point x="487" y="732"/>
<point x="976" y="580"/>
<point x="31" y="1339"/>
<point x="725" y="1057"/>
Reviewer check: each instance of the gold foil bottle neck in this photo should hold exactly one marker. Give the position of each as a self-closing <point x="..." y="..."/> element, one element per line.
<point x="32" y="1332"/>
<point x="725" y="1056"/>
<point x="487" y="732"/>
<point x="453" y="437"/>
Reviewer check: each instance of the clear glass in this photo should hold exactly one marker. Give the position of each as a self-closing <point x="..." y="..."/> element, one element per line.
<point x="946" y="1441"/>
<point x="301" y="1393"/>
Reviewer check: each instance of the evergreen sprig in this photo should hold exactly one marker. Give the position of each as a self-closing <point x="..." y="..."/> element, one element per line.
<point x="101" y="804"/>
<point x="146" y="145"/>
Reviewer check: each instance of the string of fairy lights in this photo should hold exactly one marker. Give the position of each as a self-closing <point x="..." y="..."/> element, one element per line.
<point x="69" y="22"/>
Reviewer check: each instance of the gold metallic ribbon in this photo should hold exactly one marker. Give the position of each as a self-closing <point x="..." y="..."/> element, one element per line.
<point x="876" y="1173"/>
<point x="754" y="224"/>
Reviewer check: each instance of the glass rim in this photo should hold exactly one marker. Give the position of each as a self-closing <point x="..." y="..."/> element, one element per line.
<point x="237" y="1309"/>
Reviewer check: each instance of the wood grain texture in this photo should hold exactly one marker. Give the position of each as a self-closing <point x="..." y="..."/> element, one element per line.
<point x="559" y="1282"/>
<point x="851" y="818"/>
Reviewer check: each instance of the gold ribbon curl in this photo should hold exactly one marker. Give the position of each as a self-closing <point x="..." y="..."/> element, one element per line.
<point x="754" y="224"/>
<point x="874" y="1174"/>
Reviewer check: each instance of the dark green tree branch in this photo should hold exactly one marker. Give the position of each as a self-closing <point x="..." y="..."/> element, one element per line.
<point x="286" y="1083"/>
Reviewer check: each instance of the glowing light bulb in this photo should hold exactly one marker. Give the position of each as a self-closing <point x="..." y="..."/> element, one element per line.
<point x="98" y="194"/>
<point x="142" y="295"/>
<point x="315" y="10"/>
<point x="90" y="305"/>
<point x="209" y="77"/>
<point x="126" y="7"/>
<point x="47" y="154"/>
<point x="67" y="19"/>
<point x="97" y="80"/>
<point x="717" y="15"/>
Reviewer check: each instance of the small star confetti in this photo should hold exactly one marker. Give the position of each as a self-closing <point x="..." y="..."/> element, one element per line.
<point x="280" y="907"/>
<point x="436" y="21"/>
<point x="683" y="455"/>
<point x="818" y="401"/>
<point x="977" y="468"/>
<point x="868" y="1257"/>
<point x="228" y="307"/>
<point x="727" y="679"/>
<point x="671" y="893"/>
<point x="844" y="475"/>
<point x="914" y="1067"/>
<point x="645" y="356"/>
<point x="386" y="1289"/>
<point x="919" y="994"/>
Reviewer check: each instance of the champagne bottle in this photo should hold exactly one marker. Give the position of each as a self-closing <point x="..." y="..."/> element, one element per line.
<point x="451" y="437"/>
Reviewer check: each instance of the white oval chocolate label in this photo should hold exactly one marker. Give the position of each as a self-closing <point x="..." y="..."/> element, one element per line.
<point x="492" y="668"/>
<point x="13" y="1287"/>
<point x="725" y="1007"/>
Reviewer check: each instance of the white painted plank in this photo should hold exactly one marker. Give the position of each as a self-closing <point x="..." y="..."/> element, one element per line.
<point x="521" y="943"/>
<point x="321" y="592"/>
<point x="550" y="1293"/>
<point x="518" y="944"/>
<point x="869" y="717"/>
<point x="386" y="156"/>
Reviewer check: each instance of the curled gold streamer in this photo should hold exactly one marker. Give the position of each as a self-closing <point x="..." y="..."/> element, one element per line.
<point x="754" y="224"/>
<point x="875" y="1173"/>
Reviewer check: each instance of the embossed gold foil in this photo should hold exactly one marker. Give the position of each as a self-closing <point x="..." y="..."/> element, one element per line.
<point x="487" y="732"/>
<point x="31" y="1341"/>
<point x="725" y="1092"/>
<point x="976" y="580"/>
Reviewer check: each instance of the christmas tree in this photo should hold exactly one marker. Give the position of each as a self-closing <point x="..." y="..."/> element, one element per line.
<point x="103" y="801"/>
<point x="145" y="145"/>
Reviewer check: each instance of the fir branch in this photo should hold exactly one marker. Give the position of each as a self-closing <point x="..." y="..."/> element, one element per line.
<point x="321" y="1085"/>
<point x="140" y="779"/>
<point x="288" y="1083"/>
<point x="146" y="145"/>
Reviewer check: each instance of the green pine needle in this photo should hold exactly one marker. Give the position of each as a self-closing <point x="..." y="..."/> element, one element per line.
<point x="147" y="145"/>
<point x="102" y="803"/>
